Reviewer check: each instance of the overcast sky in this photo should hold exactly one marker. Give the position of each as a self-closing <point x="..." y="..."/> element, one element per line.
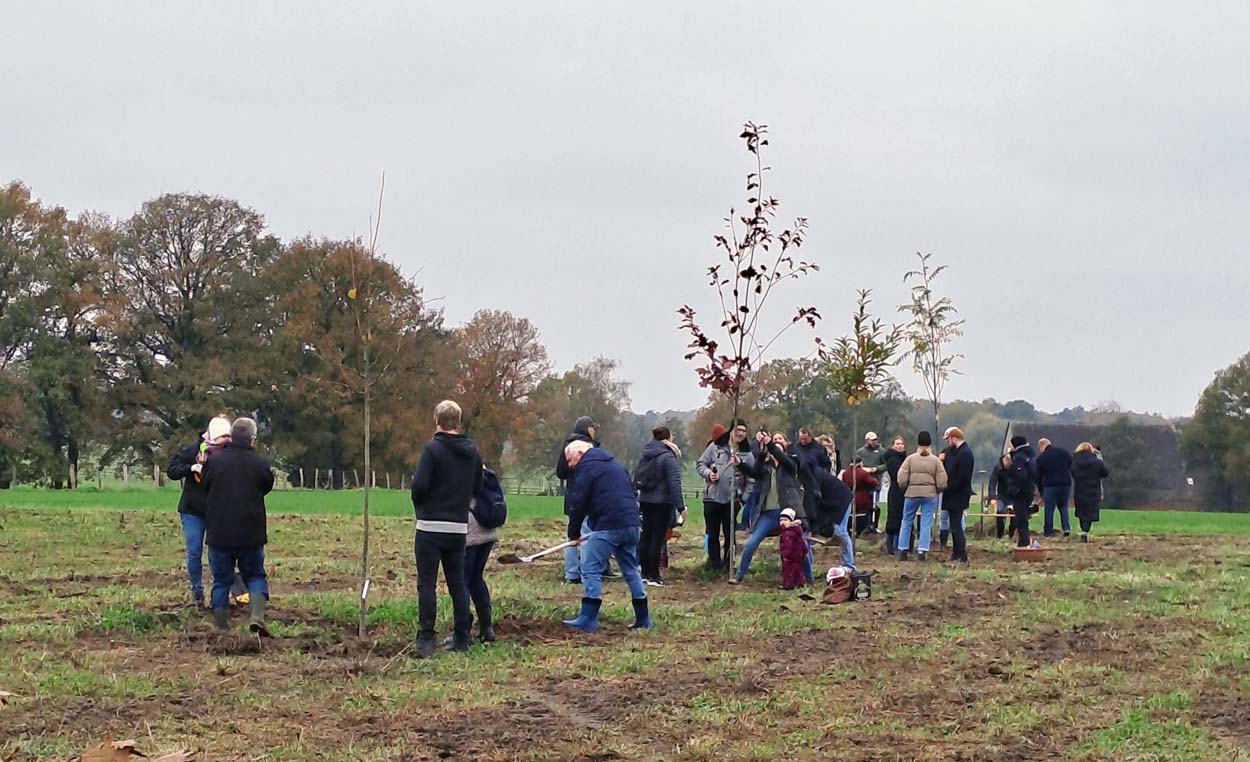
<point x="1084" y="168"/>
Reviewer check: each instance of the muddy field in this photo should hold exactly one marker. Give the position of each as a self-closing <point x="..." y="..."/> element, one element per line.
<point x="1127" y="648"/>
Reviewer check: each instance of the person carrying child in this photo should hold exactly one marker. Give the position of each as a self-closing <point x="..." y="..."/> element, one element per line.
<point x="793" y="551"/>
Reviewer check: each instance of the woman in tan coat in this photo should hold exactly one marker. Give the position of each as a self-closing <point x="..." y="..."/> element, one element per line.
<point x="923" y="476"/>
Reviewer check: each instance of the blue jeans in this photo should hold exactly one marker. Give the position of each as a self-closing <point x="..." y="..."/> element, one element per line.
<point x="844" y="538"/>
<point x="603" y="544"/>
<point x="573" y="556"/>
<point x="768" y="522"/>
<point x="1056" y="497"/>
<point x="926" y="506"/>
<point x="749" y="507"/>
<point x="251" y="563"/>
<point x="193" y="537"/>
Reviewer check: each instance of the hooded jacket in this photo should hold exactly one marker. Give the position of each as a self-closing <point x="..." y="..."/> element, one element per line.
<point x="668" y="489"/>
<point x="716" y="455"/>
<point x="236" y="481"/>
<point x="789" y="489"/>
<point x="1023" y="474"/>
<point x="835" y="497"/>
<point x="448" y="477"/>
<point x="602" y="494"/>
<point x="865" y="486"/>
<point x="1088" y="471"/>
<point x="580" y="433"/>
<point x="812" y="459"/>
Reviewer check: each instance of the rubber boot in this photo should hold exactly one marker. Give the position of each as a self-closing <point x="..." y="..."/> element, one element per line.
<point x="891" y="544"/>
<point x="902" y="555"/>
<point x="486" y="629"/>
<point x="457" y="645"/>
<point x="588" y="618"/>
<point x="943" y="536"/>
<point x="424" y="647"/>
<point x="256" y="625"/>
<point x="642" y="617"/>
<point x="221" y="618"/>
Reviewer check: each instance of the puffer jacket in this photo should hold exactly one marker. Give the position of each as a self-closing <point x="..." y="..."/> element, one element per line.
<point x="922" y="475"/>
<point x="717" y="456"/>
<point x="668" y="488"/>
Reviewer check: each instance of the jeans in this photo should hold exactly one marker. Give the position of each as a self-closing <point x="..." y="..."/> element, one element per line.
<point x="474" y="573"/>
<point x="432" y="549"/>
<point x="944" y="520"/>
<point x="926" y="506"/>
<point x="844" y="539"/>
<point x="718" y="519"/>
<point x="1056" y="497"/>
<point x="655" y="520"/>
<point x="251" y="565"/>
<point x="749" y="508"/>
<point x="1000" y="522"/>
<point x="603" y="543"/>
<point x="193" y="538"/>
<point x="573" y="556"/>
<point x="768" y="522"/>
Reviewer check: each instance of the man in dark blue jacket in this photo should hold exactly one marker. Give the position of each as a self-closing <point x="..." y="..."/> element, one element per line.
<point x="960" y="466"/>
<point x="584" y="430"/>
<point x="1054" y="481"/>
<point x="603" y="495"/>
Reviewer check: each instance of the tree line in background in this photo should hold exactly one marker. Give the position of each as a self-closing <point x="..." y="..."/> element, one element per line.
<point x="120" y="339"/>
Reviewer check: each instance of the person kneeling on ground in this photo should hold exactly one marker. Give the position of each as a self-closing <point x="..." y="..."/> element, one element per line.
<point x="448" y="476"/>
<point x="237" y="480"/>
<point x="603" y="495"/>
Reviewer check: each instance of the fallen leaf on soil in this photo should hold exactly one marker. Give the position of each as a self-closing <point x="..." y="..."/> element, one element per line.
<point x="5" y="697"/>
<point x="111" y="751"/>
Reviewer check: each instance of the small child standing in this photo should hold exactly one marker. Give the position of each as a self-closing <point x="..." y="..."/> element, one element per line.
<point x="793" y="550"/>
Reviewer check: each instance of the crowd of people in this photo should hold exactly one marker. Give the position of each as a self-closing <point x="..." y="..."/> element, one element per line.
<point x="762" y="485"/>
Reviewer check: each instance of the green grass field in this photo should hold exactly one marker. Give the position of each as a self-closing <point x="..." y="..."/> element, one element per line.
<point x="1134" y="647"/>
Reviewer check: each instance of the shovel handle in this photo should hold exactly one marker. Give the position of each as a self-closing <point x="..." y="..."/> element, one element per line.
<point x="549" y="551"/>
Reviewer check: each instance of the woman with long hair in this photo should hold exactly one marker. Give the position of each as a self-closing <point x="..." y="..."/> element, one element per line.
<point x="894" y="458"/>
<point x="1088" y="471"/>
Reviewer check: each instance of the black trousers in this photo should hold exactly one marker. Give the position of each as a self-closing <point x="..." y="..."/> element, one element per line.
<point x="431" y="550"/>
<point x="959" y="541"/>
<point x="718" y="518"/>
<point x="1020" y="507"/>
<point x="475" y="557"/>
<point x="655" y="519"/>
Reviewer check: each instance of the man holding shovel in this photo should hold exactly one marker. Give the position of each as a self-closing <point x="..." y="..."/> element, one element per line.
<point x="603" y="495"/>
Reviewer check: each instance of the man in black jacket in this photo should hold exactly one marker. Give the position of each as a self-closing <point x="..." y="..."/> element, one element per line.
<point x="813" y="460"/>
<point x="960" y="466"/>
<point x="448" y="477"/>
<point x="237" y="480"/>
<point x="1021" y="481"/>
<point x="187" y="465"/>
<point x="1054" y="481"/>
<point x="584" y="430"/>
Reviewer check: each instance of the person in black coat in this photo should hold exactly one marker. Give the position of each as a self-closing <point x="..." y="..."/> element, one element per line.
<point x="187" y="466"/>
<point x="894" y="458"/>
<point x="1054" y="483"/>
<point x="813" y="460"/>
<point x="997" y="498"/>
<point x="960" y="466"/>
<point x="1021" y="486"/>
<point x="658" y="479"/>
<point x="447" y="479"/>
<point x="237" y="480"/>
<point x="1088" y="471"/>
<point x="584" y="430"/>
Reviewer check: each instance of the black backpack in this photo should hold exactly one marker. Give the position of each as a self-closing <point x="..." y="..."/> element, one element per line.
<point x="649" y="474"/>
<point x="489" y="508"/>
<point x="1019" y="480"/>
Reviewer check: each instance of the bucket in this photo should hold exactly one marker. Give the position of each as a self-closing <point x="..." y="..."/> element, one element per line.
<point x="1033" y="555"/>
<point x="861" y="585"/>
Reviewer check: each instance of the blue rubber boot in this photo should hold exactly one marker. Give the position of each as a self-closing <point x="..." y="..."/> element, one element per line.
<point x="642" y="617"/>
<point x="588" y="618"/>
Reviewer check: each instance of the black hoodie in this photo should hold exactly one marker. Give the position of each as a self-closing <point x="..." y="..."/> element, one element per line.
<point x="448" y="476"/>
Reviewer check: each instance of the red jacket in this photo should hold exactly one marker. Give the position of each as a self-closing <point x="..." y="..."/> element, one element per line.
<point x="864" y="485"/>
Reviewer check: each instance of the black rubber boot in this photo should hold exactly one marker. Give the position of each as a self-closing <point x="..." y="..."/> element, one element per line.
<point x="486" y="629"/>
<point x="902" y="555"/>
<point x="256" y="624"/>
<point x="642" y="617"/>
<point x="221" y="618"/>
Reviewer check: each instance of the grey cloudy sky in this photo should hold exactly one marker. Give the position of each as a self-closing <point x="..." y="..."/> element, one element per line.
<point x="1084" y="168"/>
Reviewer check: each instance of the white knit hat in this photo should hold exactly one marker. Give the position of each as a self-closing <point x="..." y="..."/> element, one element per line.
<point x="218" y="427"/>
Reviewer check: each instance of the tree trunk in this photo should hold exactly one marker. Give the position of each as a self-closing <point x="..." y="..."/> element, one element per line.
<point x="364" y="548"/>
<point x="733" y="487"/>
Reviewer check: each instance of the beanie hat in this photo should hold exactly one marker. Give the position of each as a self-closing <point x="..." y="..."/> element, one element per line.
<point x="718" y="431"/>
<point x="924" y="440"/>
<point x="1018" y="441"/>
<point x="217" y="428"/>
<point x="789" y="514"/>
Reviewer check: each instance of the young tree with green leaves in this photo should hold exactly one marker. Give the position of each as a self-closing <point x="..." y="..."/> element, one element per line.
<point x="933" y="327"/>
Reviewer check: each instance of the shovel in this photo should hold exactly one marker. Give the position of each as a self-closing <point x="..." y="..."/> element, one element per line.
<point x="513" y="558"/>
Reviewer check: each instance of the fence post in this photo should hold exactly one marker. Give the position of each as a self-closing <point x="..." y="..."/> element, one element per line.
<point x="156" y="474"/>
<point x="356" y="477"/>
<point x="99" y="476"/>
<point x="301" y="477"/>
<point x="388" y="480"/>
<point x="126" y="475"/>
<point x="373" y="480"/>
